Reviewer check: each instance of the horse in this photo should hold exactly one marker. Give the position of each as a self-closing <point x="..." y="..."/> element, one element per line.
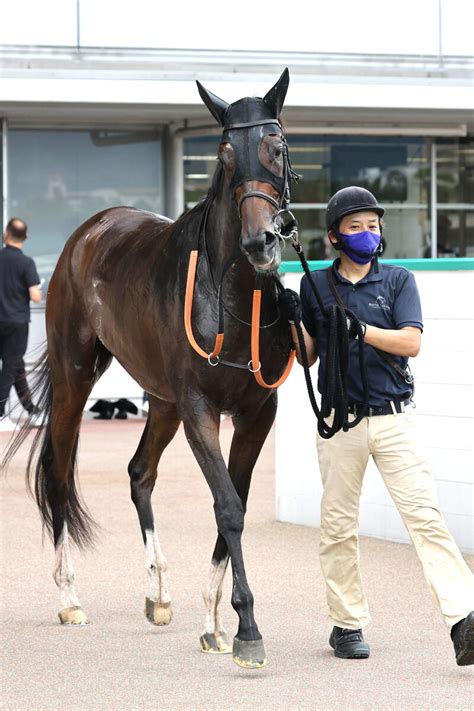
<point x="153" y="293"/>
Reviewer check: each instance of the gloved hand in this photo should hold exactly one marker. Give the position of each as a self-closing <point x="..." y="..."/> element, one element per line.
<point x="289" y="304"/>
<point x="353" y="324"/>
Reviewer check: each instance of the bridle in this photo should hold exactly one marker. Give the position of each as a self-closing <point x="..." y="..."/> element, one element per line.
<point x="213" y="357"/>
<point x="288" y="172"/>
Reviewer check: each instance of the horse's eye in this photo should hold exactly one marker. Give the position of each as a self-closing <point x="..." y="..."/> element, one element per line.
<point x="226" y="156"/>
<point x="225" y="152"/>
<point x="270" y="154"/>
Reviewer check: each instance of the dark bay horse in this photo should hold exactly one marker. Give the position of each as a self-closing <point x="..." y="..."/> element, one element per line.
<point x="119" y="290"/>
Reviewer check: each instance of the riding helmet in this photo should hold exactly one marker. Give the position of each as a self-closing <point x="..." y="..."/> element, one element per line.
<point x="349" y="200"/>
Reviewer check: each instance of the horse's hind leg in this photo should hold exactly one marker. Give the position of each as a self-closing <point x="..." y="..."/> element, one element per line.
<point x="71" y="383"/>
<point x="161" y="426"/>
<point x="249" y="436"/>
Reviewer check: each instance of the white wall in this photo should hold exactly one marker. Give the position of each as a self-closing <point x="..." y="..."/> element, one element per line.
<point x="114" y="384"/>
<point x="445" y="414"/>
<point x="365" y="27"/>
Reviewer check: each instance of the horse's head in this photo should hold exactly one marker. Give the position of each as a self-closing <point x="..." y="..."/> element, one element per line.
<point x="254" y="157"/>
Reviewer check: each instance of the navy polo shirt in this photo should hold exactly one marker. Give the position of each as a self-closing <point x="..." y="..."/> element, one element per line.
<point x="388" y="299"/>
<point x="17" y="274"/>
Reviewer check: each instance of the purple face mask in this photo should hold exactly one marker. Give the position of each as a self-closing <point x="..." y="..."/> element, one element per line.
<point x="361" y="247"/>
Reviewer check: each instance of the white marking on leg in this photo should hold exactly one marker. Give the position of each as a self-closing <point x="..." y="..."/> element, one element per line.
<point x="212" y="596"/>
<point x="157" y="567"/>
<point x="64" y="572"/>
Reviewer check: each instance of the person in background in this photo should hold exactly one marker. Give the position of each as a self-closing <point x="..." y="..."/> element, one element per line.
<point x="387" y="315"/>
<point x="19" y="284"/>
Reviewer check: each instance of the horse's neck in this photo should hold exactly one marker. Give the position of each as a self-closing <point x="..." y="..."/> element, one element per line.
<point x="222" y="231"/>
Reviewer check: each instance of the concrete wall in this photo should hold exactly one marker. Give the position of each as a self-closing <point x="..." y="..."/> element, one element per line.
<point x="445" y="414"/>
<point x="308" y="27"/>
<point x="114" y="384"/>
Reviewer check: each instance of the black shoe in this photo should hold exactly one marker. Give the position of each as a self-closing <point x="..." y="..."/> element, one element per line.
<point x="349" y="644"/>
<point x="123" y="406"/>
<point x="462" y="635"/>
<point x="104" y="408"/>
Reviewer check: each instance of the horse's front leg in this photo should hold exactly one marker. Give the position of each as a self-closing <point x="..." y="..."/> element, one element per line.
<point x="161" y="426"/>
<point x="201" y="424"/>
<point x="251" y="430"/>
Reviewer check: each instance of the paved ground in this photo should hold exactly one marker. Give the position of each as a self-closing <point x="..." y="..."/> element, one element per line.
<point x="122" y="662"/>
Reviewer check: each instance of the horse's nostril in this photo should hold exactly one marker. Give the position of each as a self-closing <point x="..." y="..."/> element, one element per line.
<point x="243" y="247"/>
<point x="257" y="244"/>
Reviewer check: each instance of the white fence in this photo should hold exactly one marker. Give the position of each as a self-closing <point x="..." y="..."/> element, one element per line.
<point x="444" y="397"/>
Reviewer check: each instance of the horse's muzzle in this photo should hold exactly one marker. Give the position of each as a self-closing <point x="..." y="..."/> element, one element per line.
<point x="262" y="250"/>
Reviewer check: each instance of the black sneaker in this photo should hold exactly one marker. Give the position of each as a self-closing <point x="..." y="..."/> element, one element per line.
<point x="462" y="635"/>
<point x="349" y="644"/>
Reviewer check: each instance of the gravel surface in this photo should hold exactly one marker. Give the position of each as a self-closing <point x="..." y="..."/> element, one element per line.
<point x="122" y="662"/>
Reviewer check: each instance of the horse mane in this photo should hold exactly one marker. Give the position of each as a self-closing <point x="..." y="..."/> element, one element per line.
<point x="216" y="184"/>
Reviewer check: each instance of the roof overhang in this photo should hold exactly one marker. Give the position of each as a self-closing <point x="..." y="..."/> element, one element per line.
<point x="328" y="93"/>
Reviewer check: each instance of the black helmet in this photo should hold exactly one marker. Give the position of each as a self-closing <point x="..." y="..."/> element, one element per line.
<point x="349" y="200"/>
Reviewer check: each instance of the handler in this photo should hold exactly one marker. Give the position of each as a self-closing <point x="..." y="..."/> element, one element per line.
<point x="385" y="299"/>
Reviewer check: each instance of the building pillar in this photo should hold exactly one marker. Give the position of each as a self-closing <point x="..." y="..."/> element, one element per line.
<point x="173" y="182"/>
<point x="433" y="199"/>
<point x="5" y="216"/>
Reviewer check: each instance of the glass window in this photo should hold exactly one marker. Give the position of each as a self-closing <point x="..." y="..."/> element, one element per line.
<point x="395" y="169"/>
<point x="58" y="179"/>
<point x="2" y="226"/>
<point x="455" y="196"/>
<point x="200" y="162"/>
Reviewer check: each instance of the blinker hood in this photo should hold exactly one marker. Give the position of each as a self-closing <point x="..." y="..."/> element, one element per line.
<point x="248" y="165"/>
<point x="245" y="124"/>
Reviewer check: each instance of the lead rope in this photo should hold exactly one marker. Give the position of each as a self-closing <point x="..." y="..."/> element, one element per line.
<point x="334" y="395"/>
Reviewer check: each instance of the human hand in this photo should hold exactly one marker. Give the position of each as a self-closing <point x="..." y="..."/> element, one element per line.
<point x="290" y="305"/>
<point x="354" y="326"/>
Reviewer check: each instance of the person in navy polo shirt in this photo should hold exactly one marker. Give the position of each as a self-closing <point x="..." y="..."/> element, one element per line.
<point x="385" y="300"/>
<point x="19" y="283"/>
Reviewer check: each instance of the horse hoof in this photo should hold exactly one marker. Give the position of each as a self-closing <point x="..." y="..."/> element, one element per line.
<point x="249" y="654"/>
<point x="73" y="616"/>
<point x="158" y="613"/>
<point x="215" y="643"/>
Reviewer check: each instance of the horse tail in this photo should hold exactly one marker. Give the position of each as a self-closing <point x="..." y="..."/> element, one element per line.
<point x="40" y="479"/>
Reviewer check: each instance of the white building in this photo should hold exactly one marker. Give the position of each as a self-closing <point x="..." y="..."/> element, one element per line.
<point x="99" y="107"/>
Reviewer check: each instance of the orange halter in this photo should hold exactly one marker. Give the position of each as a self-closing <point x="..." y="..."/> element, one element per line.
<point x="219" y="342"/>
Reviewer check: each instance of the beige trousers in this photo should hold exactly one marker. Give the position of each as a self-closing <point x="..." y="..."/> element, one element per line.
<point x="391" y="441"/>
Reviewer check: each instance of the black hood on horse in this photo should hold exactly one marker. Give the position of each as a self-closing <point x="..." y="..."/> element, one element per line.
<point x="250" y="108"/>
<point x="246" y="123"/>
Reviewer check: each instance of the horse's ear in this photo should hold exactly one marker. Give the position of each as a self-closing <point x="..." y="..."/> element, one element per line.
<point x="216" y="106"/>
<point x="276" y="96"/>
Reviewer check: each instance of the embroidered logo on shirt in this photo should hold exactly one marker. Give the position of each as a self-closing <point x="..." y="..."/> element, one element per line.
<point x="380" y="303"/>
